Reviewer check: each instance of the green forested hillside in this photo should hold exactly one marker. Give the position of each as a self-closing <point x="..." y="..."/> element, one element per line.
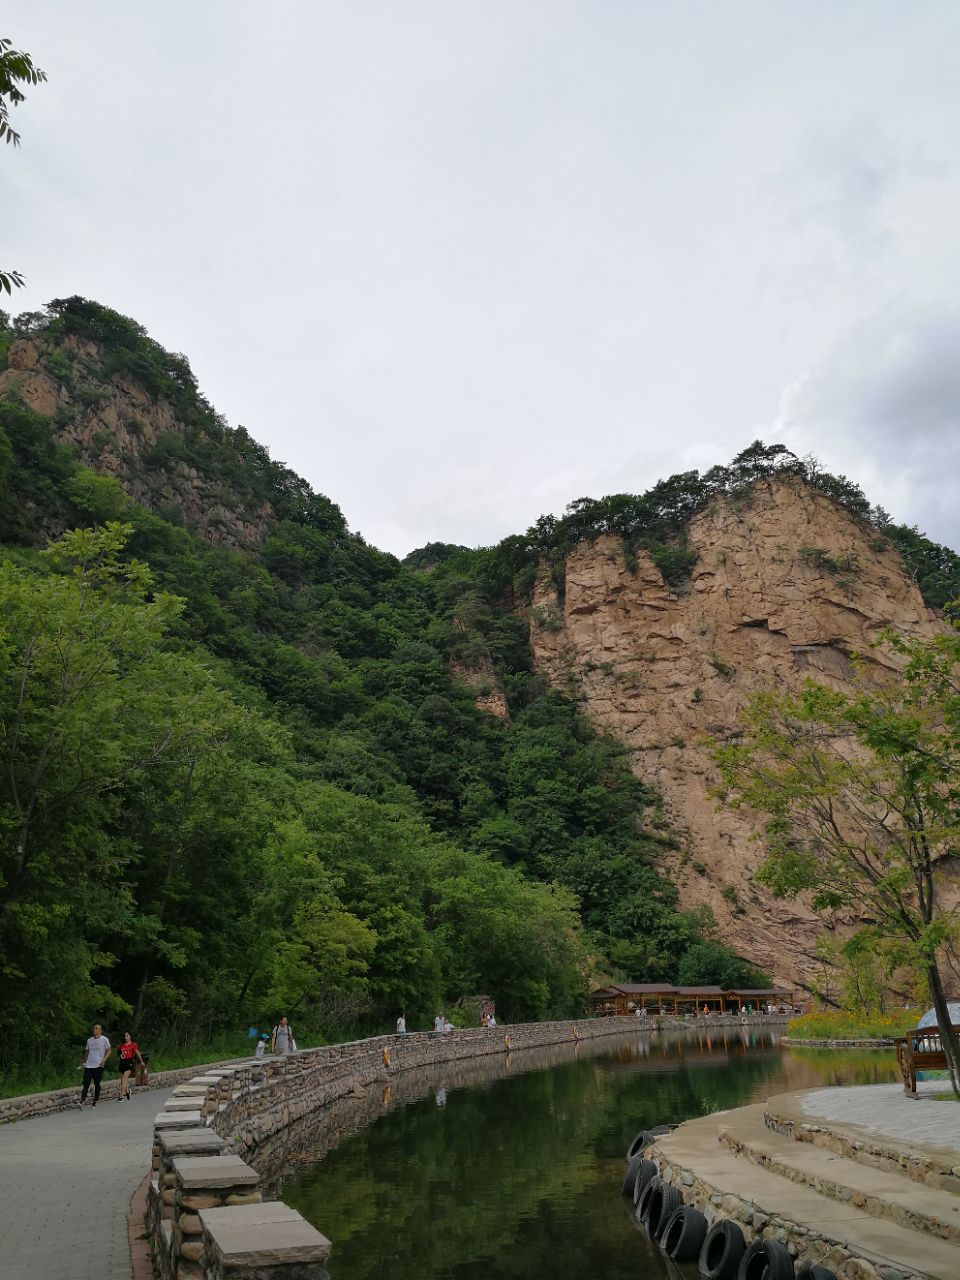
<point x="240" y="780"/>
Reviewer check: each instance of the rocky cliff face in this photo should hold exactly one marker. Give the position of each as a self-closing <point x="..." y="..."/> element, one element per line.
<point x="116" y="427"/>
<point x="787" y="586"/>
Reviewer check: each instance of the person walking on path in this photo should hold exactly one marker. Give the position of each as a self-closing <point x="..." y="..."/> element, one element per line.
<point x="283" y="1041"/>
<point x="402" y="1024"/>
<point x="128" y="1056"/>
<point x="93" y="1059"/>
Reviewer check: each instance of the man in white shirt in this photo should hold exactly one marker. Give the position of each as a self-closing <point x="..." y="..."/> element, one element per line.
<point x="93" y="1059"/>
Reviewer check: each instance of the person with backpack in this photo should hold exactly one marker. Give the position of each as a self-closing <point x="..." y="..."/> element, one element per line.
<point x="282" y="1040"/>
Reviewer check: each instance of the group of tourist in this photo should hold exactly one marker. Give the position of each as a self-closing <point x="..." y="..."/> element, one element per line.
<point x="96" y="1054"/>
<point x="443" y="1024"/>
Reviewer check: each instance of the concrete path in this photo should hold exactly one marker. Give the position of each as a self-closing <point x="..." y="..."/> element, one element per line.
<point x="885" y="1110"/>
<point x="65" y="1186"/>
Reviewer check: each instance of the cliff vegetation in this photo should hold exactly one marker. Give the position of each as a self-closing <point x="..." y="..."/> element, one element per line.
<point x="245" y="769"/>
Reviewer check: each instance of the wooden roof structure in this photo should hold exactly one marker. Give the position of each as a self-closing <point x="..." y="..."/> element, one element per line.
<point x="623" y="997"/>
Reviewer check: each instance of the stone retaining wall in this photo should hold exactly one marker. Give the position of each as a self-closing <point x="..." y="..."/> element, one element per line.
<point x="706" y="1021"/>
<point x="792" y="1041"/>
<point x="294" y="1087"/>
<point x="206" y="1210"/>
<point x="804" y="1244"/>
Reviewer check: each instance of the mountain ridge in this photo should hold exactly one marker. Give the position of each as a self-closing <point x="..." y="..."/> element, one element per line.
<point x="315" y="619"/>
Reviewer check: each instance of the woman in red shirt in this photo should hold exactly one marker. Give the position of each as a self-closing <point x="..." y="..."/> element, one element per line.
<point x="128" y="1055"/>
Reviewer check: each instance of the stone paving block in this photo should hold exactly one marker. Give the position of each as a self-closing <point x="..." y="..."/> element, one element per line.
<point x="214" y="1171"/>
<point x="262" y="1235"/>
<point x="179" y="1103"/>
<point x="170" y="1120"/>
<point x="190" y="1142"/>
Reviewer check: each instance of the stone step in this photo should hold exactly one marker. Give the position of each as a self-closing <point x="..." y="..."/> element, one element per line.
<point x="881" y="1194"/>
<point x="862" y="1125"/>
<point x="836" y="1234"/>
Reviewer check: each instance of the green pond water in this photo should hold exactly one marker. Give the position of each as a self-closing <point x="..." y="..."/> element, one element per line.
<point x="519" y="1175"/>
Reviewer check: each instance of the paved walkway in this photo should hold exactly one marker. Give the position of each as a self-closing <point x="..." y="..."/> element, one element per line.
<point x="885" y="1110"/>
<point x="65" y="1185"/>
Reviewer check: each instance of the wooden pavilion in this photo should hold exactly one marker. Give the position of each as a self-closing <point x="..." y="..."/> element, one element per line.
<point x="663" y="997"/>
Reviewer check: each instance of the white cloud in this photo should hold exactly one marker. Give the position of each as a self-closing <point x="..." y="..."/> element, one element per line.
<point x="459" y="264"/>
<point x="884" y="404"/>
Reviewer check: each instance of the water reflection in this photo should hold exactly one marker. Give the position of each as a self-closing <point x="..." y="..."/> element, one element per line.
<point x="511" y="1166"/>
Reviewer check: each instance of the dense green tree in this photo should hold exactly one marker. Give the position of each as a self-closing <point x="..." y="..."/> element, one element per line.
<point x="862" y="797"/>
<point x="710" y="963"/>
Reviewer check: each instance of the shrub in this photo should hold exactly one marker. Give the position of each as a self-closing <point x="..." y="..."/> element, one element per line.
<point x="841" y="1024"/>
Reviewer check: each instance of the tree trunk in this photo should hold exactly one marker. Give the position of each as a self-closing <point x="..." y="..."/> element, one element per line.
<point x="948" y="1037"/>
<point x="138" y="1011"/>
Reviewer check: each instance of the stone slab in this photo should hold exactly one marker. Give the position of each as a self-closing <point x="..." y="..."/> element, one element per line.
<point x="193" y="1141"/>
<point x="181" y="1104"/>
<point x="215" y="1171"/>
<point x="263" y="1235"/>
<point x="191" y="1090"/>
<point x="178" y="1120"/>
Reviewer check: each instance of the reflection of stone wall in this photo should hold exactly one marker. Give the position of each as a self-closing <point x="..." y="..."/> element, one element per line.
<point x="286" y="1150"/>
<point x="307" y="1102"/>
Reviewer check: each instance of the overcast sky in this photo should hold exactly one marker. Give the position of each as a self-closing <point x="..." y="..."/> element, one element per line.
<point x="459" y="263"/>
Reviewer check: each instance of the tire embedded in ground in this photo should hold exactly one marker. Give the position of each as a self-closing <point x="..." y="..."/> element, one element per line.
<point x="766" y="1260"/>
<point x="663" y="1204"/>
<point x="646" y="1171"/>
<point x="682" y="1238"/>
<point x="722" y="1250"/>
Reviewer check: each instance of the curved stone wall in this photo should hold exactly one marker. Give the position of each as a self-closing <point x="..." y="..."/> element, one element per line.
<point x="208" y="1209"/>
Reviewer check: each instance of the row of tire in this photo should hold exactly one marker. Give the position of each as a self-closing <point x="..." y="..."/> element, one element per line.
<point x="720" y="1251"/>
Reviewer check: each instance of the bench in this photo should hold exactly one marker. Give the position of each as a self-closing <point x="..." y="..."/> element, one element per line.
<point x="919" y="1050"/>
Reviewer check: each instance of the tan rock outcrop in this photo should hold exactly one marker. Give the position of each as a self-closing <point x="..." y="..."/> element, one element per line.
<point x="114" y="423"/>
<point x="787" y="585"/>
